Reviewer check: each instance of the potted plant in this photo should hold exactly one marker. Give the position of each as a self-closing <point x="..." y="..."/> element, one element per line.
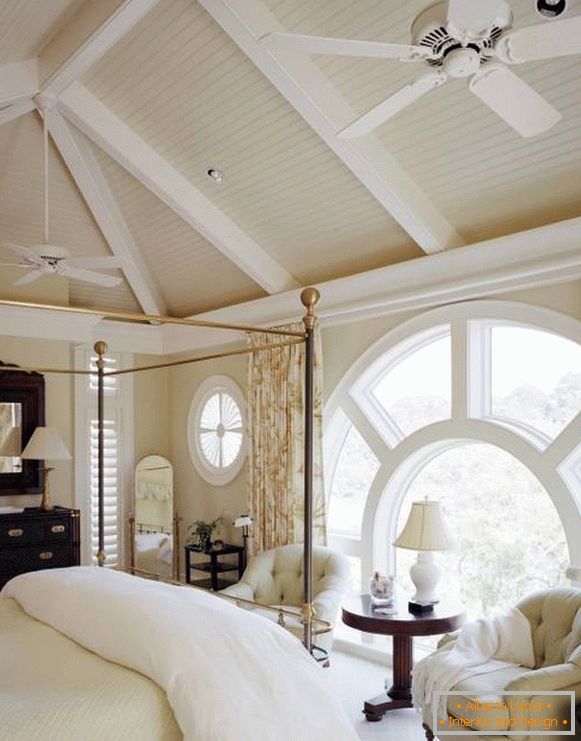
<point x="200" y="534"/>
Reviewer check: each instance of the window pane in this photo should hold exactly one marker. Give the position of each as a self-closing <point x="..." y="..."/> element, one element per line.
<point x="509" y="538"/>
<point x="536" y="378"/>
<point x="355" y="471"/>
<point x="417" y="390"/>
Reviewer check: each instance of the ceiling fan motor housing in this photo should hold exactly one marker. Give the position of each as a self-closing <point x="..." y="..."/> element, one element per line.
<point x="430" y="29"/>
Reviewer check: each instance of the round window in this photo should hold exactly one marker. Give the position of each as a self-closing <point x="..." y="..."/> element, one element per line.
<point x="216" y="433"/>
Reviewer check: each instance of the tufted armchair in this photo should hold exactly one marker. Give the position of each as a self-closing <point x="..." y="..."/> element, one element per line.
<point x="275" y="577"/>
<point x="555" y="618"/>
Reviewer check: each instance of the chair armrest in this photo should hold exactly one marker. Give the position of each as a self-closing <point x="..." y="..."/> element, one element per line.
<point x="241" y="589"/>
<point x="326" y="604"/>
<point x="557" y="677"/>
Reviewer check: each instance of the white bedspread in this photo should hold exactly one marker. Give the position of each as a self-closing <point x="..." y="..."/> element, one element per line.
<point x="228" y="673"/>
<point x="482" y="646"/>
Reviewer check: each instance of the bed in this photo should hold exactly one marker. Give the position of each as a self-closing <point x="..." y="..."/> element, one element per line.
<point x="93" y="653"/>
<point x="90" y="652"/>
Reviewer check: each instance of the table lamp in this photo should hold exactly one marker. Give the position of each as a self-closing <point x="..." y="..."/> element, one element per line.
<point x="244" y="521"/>
<point x="425" y="531"/>
<point x="46" y="444"/>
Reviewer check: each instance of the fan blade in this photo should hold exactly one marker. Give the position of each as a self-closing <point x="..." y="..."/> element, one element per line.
<point x="343" y="47"/>
<point x="394" y="104"/>
<point x="513" y="100"/>
<point x="29" y="278"/>
<point x="14" y="265"/>
<point x="472" y="17"/>
<point x="88" y="276"/>
<point x="545" y="41"/>
<point x="25" y="252"/>
<point x="94" y="262"/>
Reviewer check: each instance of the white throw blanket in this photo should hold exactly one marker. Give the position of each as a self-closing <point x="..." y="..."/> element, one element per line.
<point x="482" y="646"/>
<point x="228" y="673"/>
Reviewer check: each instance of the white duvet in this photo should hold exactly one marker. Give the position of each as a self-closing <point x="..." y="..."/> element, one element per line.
<point x="229" y="674"/>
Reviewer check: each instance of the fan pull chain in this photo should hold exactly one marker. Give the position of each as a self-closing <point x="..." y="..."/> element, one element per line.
<point x="45" y="133"/>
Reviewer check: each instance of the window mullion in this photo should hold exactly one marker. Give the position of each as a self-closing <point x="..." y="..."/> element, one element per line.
<point x="460" y="368"/>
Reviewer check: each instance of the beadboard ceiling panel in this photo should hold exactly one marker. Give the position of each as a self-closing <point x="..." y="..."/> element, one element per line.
<point x="484" y="177"/>
<point x="191" y="274"/>
<point x="180" y="82"/>
<point x="27" y="25"/>
<point x="71" y="224"/>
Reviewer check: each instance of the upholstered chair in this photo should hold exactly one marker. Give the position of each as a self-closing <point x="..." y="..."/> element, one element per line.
<point x="555" y="618"/>
<point x="275" y="577"/>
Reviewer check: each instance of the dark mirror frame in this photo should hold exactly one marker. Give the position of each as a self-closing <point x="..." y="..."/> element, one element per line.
<point x="27" y="389"/>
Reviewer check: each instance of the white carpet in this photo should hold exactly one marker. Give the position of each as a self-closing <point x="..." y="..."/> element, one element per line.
<point x="354" y="680"/>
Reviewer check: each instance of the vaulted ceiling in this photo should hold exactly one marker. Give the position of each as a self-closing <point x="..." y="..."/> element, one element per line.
<point x="143" y="97"/>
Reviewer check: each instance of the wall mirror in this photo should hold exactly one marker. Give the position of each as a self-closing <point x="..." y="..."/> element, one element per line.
<point x="21" y="411"/>
<point x="154" y="514"/>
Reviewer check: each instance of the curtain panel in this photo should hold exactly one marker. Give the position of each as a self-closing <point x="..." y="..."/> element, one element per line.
<point x="275" y="418"/>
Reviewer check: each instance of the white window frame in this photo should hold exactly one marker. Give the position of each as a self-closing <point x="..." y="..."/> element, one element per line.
<point x="118" y="405"/>
<point x="210" y="386"/>
<point x="556" y="464"/>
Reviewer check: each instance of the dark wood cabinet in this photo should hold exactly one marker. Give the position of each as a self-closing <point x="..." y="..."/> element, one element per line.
<point x="33" y="540"/>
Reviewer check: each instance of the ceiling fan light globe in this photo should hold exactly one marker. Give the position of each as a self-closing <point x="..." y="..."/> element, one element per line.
<point x="462" y="62"/>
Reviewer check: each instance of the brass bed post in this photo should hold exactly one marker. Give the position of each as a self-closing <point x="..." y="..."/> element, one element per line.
<point x="309" y="299"/>
<point x="100" y="348"/>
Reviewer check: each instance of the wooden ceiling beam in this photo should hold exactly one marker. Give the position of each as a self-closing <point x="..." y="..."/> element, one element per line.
<point x="89" y="34"/>
<point x="121" y="143"/>
<point x="18" y="81"/>
<point x="312" y="94"/>
<point x="88" y="176"/>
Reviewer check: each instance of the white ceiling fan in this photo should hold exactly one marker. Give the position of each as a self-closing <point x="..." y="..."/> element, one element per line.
<point x="459" y="38"/>
<point x="49" y="259"/>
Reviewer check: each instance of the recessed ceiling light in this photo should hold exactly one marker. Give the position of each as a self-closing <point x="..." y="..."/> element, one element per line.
<point x="215" y="174"/>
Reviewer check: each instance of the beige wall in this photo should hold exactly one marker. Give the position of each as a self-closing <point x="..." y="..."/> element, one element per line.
<point x="59" y="408"/>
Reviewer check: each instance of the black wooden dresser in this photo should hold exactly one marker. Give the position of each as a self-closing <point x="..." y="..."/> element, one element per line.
<point x="33" y="540"/>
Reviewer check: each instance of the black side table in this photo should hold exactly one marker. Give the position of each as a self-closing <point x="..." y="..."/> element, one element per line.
<point x="214" y="566"/>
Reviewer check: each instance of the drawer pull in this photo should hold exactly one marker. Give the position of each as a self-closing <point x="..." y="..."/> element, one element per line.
<point x="15" y="532"/>
<point x="57" y="529"/>
<point x="45" y="555"/>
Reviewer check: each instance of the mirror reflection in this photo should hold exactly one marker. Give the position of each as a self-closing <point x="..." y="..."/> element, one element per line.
<point x="154" y="513"/>
<point x="10" y="437"/>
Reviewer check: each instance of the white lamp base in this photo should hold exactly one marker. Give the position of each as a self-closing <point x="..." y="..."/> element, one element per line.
<point x="425" y="574"/>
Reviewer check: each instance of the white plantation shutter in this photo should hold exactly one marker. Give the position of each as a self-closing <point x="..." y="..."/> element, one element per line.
<point x="111" y="491"/>
<point x="118" y="454"/>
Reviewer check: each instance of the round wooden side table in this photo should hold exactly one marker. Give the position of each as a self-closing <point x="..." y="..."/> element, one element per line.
<point x="359" y="613"/>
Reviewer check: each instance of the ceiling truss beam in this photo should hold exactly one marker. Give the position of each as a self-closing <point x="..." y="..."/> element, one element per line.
<point x="121" y="143"/>
<point x="90" y="180"/>
<point x="312" y="94"/>
<point x="93" y="30"/>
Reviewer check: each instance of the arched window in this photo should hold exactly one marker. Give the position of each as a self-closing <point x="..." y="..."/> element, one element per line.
<point x="216" y="434"/>
<point x="478" y="405"/>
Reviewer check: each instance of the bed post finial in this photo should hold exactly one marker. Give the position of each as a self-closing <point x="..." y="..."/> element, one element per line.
<point x="100" y="348"/>
<point x="310" y="297"/>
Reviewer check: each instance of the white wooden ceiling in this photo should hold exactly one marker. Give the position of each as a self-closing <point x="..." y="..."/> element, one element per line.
<point x="181" y="96"/>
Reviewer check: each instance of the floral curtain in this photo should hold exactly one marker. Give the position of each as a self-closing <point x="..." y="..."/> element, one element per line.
<point x="276" y="439"/>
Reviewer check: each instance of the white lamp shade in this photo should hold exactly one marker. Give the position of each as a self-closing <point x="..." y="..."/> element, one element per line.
<point x="425" y="529"/>
<point x="243" y="521"/>
<point x="12" y="445"/>
<point x="46" y="444"/>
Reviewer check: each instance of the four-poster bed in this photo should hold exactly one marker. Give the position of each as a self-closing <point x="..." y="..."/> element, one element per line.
<point x="224" y="672"/>
<point x="309" y="298"/>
